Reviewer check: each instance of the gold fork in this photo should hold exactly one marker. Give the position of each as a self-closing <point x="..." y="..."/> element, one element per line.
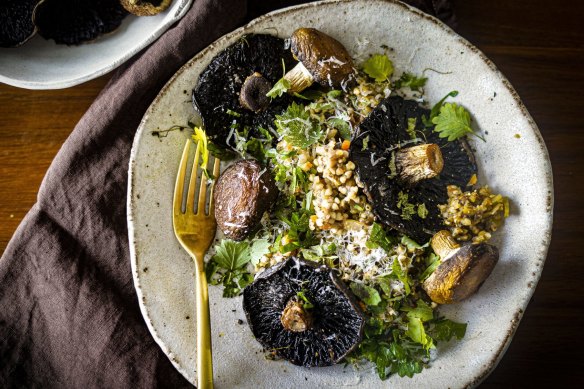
<point x="195" y="231"/>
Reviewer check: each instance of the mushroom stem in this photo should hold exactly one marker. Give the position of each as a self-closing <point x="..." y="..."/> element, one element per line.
<point x="252" y="95"/>
<point x="419" y="162"/>
<point x="295" y="318"/>
<point x="299" y="78"/>
<point x="444" y="244"/>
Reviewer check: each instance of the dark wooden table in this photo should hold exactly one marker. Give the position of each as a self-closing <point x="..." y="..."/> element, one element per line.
<point x="537" y="44"/>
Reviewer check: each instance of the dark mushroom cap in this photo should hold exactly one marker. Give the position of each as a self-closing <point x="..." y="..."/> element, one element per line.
<point x="385" y="129"/>
<point x="462" y="273"/>
<point x="323" y="56"/>
<point x="219" y="85"/>
<point x="16" y="25"/>
<point x="72" y="22"/>
<point x="243" y="192"/>
<point x="145" y="7"/>
<point x="337" y="321"/>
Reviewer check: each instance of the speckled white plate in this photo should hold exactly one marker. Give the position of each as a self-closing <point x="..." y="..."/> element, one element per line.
<point x="513" y="161"/>
<point x="43" y="64"/>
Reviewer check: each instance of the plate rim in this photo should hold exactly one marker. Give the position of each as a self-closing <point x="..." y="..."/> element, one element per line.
<point x="181" y="9"/>
<point x="544" y="243"/>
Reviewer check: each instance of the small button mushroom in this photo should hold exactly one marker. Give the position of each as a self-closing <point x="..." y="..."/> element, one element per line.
<point x="419" y="162"/>
<point x="253" y="93"/>
<point x="243" y="193"/>
<point x="462" y="270"/>
<point x="322" y="58"/>
<point x="145" y="7"/>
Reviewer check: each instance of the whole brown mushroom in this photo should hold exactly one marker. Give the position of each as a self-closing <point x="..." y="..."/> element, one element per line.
<point x="243" y="192"/>
<point x="462" y="270"/>
<point x="322" y="58"/>
<point x="145" y="7"/>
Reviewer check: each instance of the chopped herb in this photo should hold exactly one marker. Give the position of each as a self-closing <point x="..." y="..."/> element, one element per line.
<point x="432" y="262"/>
<point x="367" y="294"/>
<point x="453" y="122"/>
<point x="306" y="302"/>
<point x="408" y="209"/>
<point x="365" y="143"/>
<point x="379" y="238"/>
<point x="411" y="130"/>
<point x="422" y="211"/>
<point x="412" y="81"/>
<point x="233" y="113"/>
<point x="297" y="128"/>
<point x="342" y="126"/>
<point x="281" y="86"/>
<point x="445" y="329"/>
<point x="378" y="67"/>
<point x="401" y="275"/>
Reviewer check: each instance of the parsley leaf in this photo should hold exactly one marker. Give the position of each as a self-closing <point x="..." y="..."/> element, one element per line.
<point x="417" y="333"/>
<point x="410" y="80"/>
<point x="445" y="330"/>
<point x="378" y="238"/>
<point x="453" y="122"/>
<point x="296" y="126"/>
<point x="342" y="126"/>
<point x="378" y="67"/>
<point x="436" y="109"/>
<point x="258" y="249"/>
<point x="228" y="267"/>
<point x="367" y="294"/>
<point x="432" y="261"/>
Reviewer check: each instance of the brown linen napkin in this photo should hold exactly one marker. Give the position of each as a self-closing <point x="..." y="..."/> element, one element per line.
<point x="69" y="316"/>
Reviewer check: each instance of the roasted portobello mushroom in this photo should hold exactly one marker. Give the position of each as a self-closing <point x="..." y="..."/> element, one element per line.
<point x="76" y="21"/>
<point x="218" y="95"/>
<point x="303" y="313"/>
<point x="16" y="25"/>
<point x="405" y="167"/>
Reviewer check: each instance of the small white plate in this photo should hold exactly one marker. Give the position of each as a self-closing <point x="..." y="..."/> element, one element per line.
<point x="513" y="161"/>
<point x="43" y="64"/>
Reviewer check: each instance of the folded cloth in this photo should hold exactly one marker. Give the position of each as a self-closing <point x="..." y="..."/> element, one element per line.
<point x="69" y="316"/>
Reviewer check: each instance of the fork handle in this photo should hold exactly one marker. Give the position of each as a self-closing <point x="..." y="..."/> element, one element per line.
<point x="204" y="355"/>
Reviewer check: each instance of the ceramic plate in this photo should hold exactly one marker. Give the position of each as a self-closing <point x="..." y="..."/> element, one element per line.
<point x="513" y="161"/>
<point x="42" y="64"/>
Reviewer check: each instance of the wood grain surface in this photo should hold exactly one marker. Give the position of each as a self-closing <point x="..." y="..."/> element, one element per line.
<point x="537" y="44"/>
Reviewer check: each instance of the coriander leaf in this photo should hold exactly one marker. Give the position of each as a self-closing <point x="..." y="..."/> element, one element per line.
<point x="378" y="67"/>
<point x="453" y="122"/>
<point x="296" y="126"/>
<point x="258" y="249"/>
<point x="412" y="81"/>
<point x="367" y="294"/>
<point x="445" y="329"/>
